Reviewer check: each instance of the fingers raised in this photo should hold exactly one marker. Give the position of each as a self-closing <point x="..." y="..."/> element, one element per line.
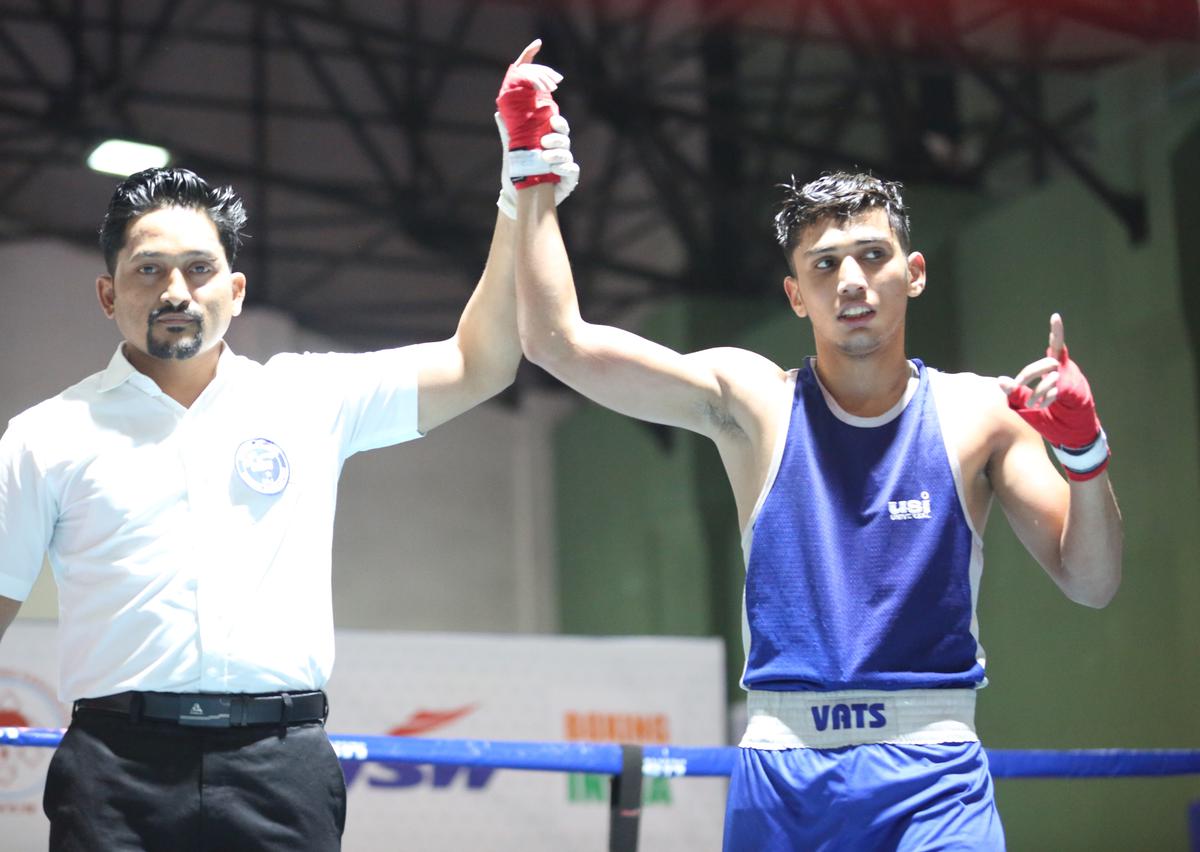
<point x="529" y="52"/>
<point x="1057" y="338"/>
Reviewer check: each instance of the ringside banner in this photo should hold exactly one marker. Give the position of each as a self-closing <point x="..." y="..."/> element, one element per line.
<point x="632" y="690"/>
<point x="504" y="687"/>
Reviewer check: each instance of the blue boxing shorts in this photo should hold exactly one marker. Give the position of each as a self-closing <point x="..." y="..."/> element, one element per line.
<point x="863" y="797"/>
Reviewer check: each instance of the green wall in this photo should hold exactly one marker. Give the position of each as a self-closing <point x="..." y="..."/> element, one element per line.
<point x="647" y="532"/>
<point x="1064" y="676"/>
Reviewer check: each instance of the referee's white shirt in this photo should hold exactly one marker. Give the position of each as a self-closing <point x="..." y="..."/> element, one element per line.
<point x="192" y="546"/>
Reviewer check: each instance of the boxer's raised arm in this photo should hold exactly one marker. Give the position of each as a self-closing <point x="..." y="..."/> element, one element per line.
<point x="701" y="391"/>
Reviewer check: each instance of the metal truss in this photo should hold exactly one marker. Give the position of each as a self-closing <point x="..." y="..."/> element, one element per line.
<point x="361" y="134"/>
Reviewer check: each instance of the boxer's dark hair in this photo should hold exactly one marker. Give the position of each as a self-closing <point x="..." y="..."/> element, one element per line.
<point x="841" y="196"/>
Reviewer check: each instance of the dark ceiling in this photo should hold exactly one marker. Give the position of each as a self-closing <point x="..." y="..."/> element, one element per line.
<point x="360" y="133"/>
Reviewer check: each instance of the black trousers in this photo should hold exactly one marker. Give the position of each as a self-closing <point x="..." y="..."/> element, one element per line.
<point x="119" y="786"/>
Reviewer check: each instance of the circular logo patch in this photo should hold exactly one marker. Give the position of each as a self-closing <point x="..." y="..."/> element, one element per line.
<point x="262" y="465"/>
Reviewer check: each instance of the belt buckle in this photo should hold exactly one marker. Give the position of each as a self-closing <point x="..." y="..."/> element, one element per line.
<point x="205" y="711"/>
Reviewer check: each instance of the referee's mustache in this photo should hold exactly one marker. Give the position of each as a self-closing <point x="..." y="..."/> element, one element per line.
<point x="192" y="315"/>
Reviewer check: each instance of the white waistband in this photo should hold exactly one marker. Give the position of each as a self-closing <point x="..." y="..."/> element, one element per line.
<point x="780" y="720"/>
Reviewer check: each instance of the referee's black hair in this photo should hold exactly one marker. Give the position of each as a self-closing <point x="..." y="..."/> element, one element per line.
<point x="154" y="189"/>
<point x="841" y="196"/>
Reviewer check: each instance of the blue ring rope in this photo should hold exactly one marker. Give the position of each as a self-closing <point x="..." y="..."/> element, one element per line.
<point x="674" y="761"/>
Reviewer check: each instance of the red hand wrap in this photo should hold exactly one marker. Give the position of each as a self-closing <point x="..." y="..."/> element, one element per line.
<point x="526" y="113"/>
<point x="1070" y="421"/>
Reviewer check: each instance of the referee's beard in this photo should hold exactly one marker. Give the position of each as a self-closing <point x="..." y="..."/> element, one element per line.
<point x="178" y="346"/>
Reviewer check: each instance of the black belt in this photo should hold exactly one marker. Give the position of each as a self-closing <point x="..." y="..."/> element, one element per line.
<point x="213" y="710"/>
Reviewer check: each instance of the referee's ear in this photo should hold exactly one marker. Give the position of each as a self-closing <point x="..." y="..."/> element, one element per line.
<point x="106" y="293"/>
<point x="237" y="282"/>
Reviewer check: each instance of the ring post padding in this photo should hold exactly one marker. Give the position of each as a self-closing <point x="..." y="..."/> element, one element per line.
<point x="625" y="808"/>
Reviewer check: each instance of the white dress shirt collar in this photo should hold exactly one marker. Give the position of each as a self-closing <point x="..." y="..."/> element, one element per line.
<point x="120" y="370"/>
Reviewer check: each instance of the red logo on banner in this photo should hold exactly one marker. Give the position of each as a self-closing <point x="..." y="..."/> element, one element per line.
<point x="424" y="721"/>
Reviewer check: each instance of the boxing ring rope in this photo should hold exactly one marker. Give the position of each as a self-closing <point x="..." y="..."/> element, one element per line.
<point x="621" y="761"/>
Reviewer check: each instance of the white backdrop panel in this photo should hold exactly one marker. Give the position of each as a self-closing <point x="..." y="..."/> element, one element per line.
<point x="649" y="690"/>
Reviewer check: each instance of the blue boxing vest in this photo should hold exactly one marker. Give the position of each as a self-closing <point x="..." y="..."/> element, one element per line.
<point x="862" y="569"/>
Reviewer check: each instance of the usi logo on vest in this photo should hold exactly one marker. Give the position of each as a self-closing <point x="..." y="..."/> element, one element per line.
<point x="910" y="510"/>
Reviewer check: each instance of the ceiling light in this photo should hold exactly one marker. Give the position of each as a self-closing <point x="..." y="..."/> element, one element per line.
<point x="122" y="157"/>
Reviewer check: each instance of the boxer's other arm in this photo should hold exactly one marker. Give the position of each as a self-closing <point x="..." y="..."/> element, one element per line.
<point x="8" y="611"/>
<point x="616" y="368"/>
<point x="1075" y="531"/>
